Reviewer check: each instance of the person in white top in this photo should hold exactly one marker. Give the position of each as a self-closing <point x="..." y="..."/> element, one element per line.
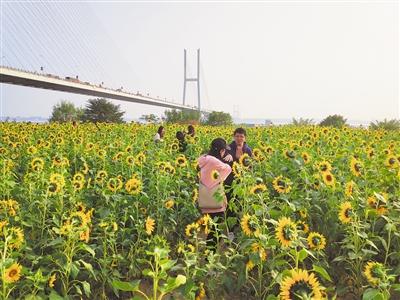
<point x="160" y="134"/>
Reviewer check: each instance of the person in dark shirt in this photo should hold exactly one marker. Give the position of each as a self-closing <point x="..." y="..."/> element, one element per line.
<point x="191" y="131"/>
<point x="238" y="147"/>
<point x="180" y="136"/>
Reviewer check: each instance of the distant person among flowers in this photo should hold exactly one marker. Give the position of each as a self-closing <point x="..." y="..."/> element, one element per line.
<point x="180" y="136"/>
<point x="158" y="137"/>
<point x="191" y="131"/>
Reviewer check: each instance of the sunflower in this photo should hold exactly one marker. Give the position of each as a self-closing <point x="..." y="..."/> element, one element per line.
<point x="52" y="279"/>
<point x="257" y="248"/>
<point x="191" y="229"/>
<point x="237" y="169"/>
<point x="130" y="160"/>
<point x="258" y="189"/>
<point x="174" y="147"/>
<point x="169" y="204"/>
<point x="306" y="157"/>
<point x="78" y="177"/>
<point x="150" y="223"/>
<point x="32" y="150"/>
<point x="370" y="153"/>
<point x="391" y="162"/>
<point x="12" y="273"/>
<point x="169" y="169"/>
<point x="328" y="178"/>
<point x="282" y="185"/>
<point x="356" y="167"/>
<point x="300" y="285"/>
<point x="2" y="224"/>
<point x="58" y="178"/>
<point x="79" y="219"/>
<point x="85" y="168"/>
<point x="214" y="175"/>
<point x="133" y="186"/>
<point x="181" y="161"/>
<point x="195" y="195"/>
<point x="349" y="188"/>
<point x="84" y="235"/>
<point x="37" y="164"/>
<point x="245" y="160"/>
<point x="286" y="232"/>
<point x="101" y="175"/>
<point x="201" y="292"/>
<point x="17" y="238"/>
<point x="205" y="221"/>
<point x="324" y="166"/>
<point x="140" y="159"/>
<point x="316" y="241"/>
<point x="345" y="212"/>
<point x="78" y="185"/>
<point x="249" y="225"/>
<point x="114" y="184"/>
<point x="290" y="154"/>
<point x="101" y="153"/>
<point x="374" y="272"/>
<point x="302" y="226"/>
<point x="378" y="205"/>
<point x="249" y="265"/>
<point x="118" y="156"/>
<point x="54" y="188"/>
<point x="258" y="156"/>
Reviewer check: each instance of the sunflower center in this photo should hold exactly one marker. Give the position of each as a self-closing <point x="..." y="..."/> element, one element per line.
<point x="281" y="183"/>
<point x="348" y="212"/>
<point x="287" y="233"/>
<point x="316" y="240"/>
<point x="300" y="289"/>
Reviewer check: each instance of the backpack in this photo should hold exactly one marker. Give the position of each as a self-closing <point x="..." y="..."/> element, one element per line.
<point x="211" y="197"/>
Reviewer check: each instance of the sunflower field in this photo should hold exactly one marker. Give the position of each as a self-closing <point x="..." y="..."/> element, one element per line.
<point x="103" y="212"/>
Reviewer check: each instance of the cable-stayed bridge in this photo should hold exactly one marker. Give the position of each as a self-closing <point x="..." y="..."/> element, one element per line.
<point x="44" y="42"/>
<point x="74" y="85"/>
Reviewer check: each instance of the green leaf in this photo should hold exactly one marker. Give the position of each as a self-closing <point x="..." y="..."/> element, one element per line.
<point x="148" y="272"/>
<point x="126" y="286"/>
<point x="372" y="294"/>
<point x="303" y="254"/>
<point x="321" y="271"/>
<point x="88" y="249"/>
<point x="88" y="267"/>
<point x="173" y="283"/>
<point x="86" y="288"/>
<point x="56" y="241"/>
<point x="54" y="296"/>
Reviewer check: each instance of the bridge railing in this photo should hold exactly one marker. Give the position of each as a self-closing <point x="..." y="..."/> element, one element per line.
<point x="77" y="80"/>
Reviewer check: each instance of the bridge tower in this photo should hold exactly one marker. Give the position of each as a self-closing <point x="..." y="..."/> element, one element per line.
<point x="193" y="79"/>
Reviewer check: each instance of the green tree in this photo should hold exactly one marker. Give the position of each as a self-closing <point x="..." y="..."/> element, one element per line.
<point x="385" y="124"/>
<point x="218" y="118"/>
<point x="334" y="121"/>
<point x="102" y="110"/>
<point x="65" y="112"/>
<point x="302" y="122"/>
<point x="151" y="118"/>
<point x="182" y="116"/>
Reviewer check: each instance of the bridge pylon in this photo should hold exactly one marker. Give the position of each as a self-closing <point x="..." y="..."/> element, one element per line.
<point x="193" y="79"/>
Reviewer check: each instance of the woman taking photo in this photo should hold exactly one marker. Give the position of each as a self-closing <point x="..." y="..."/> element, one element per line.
<point x="213" y="172"/>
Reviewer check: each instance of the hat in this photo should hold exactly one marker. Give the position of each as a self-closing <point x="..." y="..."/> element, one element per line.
<point x="218" y="144"/>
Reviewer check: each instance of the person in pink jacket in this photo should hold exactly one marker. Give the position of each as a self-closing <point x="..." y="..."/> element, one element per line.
<point x="213" y="171"/>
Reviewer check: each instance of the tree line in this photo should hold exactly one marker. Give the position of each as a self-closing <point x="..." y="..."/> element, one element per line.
<point x="101" y="110"/>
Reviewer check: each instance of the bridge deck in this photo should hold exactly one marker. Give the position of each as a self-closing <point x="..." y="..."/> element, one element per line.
<point x="51" y="82"/>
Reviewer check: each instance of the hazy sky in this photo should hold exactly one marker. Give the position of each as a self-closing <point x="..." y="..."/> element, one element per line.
<point x="278" y="59"/>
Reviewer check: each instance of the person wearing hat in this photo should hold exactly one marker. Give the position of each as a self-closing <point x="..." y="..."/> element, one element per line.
<point x="213" y="171"/>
